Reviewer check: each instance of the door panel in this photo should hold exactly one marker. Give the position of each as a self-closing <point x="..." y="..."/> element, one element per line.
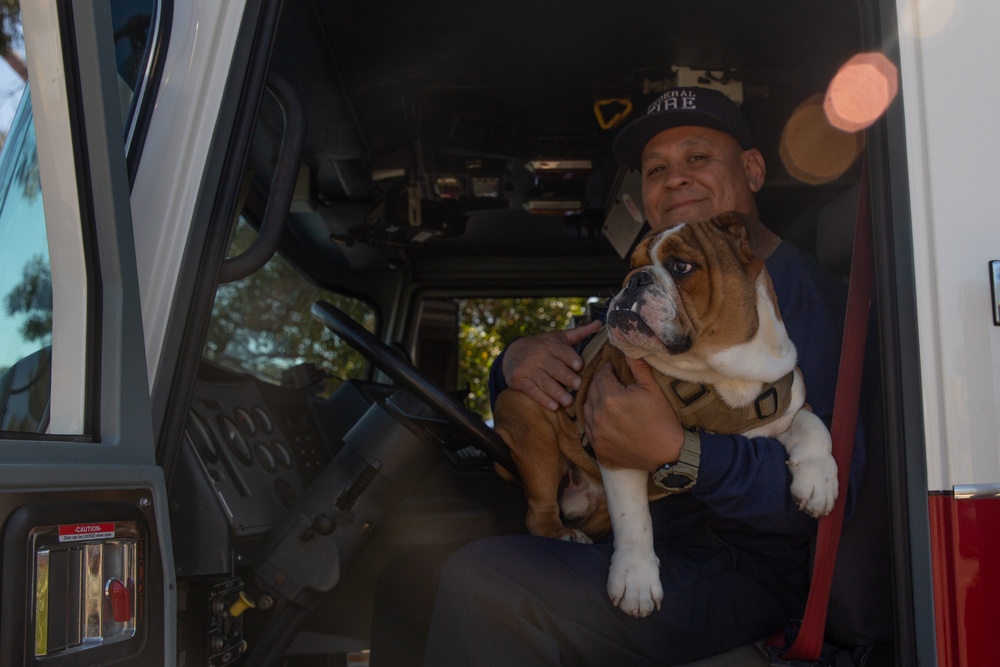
<point x="87" y="573"/>
<point x="85" y="568"/>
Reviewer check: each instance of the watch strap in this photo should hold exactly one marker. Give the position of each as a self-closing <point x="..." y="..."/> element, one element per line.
<point x="691" y="449"/>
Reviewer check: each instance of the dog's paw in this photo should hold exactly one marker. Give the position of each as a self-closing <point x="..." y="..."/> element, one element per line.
<point x="574" y="535"/>
<point x="814" y="482"/>
<point x="634" y="582"/>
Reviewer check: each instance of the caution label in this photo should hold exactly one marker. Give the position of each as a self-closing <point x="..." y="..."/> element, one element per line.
<point x="86" y="531"/>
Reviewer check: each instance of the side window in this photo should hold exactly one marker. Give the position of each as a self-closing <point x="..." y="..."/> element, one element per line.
<point x="261" y="324"/>
<point x="27" y="312"/>
<point x="25" y="283"/>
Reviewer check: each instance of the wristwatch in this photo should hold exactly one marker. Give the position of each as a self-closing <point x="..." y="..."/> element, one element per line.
<point x="683" y="473"/>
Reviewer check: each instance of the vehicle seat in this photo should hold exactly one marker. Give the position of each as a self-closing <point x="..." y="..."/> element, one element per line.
<point x="860" y="612"/>
<point x="861" y="608"/>
<point x="748" y="655"/>
<point x="835" y="232"/>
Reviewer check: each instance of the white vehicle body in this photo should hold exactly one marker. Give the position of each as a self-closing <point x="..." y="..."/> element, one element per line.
<point x="934" y="182"/>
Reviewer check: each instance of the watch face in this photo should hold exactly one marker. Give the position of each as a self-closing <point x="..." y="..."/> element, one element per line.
<point x="675" y="480"/>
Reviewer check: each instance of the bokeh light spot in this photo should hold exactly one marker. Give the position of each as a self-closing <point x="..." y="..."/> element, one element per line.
<point x="861" y="91"/>
<point x="812" y="150"/>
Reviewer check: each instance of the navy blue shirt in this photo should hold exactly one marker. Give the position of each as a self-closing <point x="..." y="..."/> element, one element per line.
<point x="747" y="478"/>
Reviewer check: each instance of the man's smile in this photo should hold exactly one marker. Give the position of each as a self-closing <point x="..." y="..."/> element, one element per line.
<point x="683" y="203"/>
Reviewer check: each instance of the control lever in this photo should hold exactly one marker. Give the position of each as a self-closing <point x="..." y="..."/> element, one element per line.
<point x="385" y="455"/>
<point x="321" y="525"/>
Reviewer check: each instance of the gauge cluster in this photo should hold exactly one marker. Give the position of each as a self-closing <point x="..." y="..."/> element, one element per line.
<point x="258" y="451"/>
<point x="250" y="450"/>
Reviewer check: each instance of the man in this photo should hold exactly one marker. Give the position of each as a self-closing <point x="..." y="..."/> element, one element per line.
<point x="734" y="549"/>
<point x="690" y="172"/>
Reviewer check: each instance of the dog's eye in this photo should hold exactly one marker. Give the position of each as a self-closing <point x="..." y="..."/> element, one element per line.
<point x="679" y="266"/>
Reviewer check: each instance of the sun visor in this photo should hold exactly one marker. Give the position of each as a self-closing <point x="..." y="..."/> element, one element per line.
<point x="626" y="218"/>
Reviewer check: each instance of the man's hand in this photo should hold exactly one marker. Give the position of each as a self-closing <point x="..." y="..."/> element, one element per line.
<point x="631" y="426"/>
<point x="546" y="366"/>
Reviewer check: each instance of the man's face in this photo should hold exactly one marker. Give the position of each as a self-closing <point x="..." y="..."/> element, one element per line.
<point x="694" y="173"/>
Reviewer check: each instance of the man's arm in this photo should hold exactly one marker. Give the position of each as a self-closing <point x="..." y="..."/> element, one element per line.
<point x="747" y="479"/>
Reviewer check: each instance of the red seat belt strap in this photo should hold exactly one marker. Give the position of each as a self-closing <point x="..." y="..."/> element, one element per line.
<point x="809" y="641"/>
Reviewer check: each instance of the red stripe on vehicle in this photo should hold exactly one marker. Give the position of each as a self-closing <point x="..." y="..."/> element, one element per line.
<point x="965" y="552"/>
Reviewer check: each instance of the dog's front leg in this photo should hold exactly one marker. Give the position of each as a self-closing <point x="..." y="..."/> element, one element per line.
<point x="810" y="458"/>
<point x="634" y="579"/>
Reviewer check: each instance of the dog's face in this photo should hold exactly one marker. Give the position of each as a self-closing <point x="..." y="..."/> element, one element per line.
<point x="691" y="291"/>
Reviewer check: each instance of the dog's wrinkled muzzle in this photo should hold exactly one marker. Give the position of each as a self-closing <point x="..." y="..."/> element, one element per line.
<point x="625" y="317"/>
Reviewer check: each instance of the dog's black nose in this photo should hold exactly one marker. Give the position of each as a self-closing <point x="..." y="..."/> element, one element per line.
<point x="638" y="280"/>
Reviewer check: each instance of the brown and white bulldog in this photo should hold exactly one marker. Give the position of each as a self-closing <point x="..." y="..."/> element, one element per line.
<point x="699" y="307"/>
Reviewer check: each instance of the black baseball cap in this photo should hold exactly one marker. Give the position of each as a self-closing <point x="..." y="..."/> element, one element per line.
<point x="677" y="107"/>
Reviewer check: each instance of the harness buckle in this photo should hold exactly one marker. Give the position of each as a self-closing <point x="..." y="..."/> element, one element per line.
<point x="767" y="403"/>
<point x="693" y="393"/>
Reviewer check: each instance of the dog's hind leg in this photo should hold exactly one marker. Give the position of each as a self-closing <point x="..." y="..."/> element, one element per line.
<point x="541" y="486"/>
<point x="532" y="433"/>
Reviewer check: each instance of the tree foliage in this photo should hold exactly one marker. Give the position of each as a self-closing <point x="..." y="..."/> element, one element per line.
<point x="11" y="37"/>
<point x="10" y="25"/>
<point x="32" y="297"/>
<point x="261" y="324"/>
<point x="488" y="325"/>
<point x="26" y="169"/>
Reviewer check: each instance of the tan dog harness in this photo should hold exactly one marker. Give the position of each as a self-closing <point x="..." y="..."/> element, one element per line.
<point x="699" y="405"/>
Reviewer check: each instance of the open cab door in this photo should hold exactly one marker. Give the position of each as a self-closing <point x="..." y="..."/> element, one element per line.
<point x="87" y="574"/>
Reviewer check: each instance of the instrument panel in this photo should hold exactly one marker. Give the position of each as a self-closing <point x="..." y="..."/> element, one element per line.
<point x="250" y="451"/>
<point x="259" y="446"/>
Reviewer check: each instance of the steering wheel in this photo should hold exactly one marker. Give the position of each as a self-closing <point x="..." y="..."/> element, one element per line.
<point x="406" y="375"/>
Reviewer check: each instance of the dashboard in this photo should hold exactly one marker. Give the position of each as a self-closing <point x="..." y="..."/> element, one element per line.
<point x="251" y="449"/>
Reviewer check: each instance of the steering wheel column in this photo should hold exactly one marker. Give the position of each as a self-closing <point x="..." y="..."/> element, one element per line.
<point x="385" y="456"/>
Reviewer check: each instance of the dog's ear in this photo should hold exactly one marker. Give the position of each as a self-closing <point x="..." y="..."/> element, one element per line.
<point x="736" y="225"/>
